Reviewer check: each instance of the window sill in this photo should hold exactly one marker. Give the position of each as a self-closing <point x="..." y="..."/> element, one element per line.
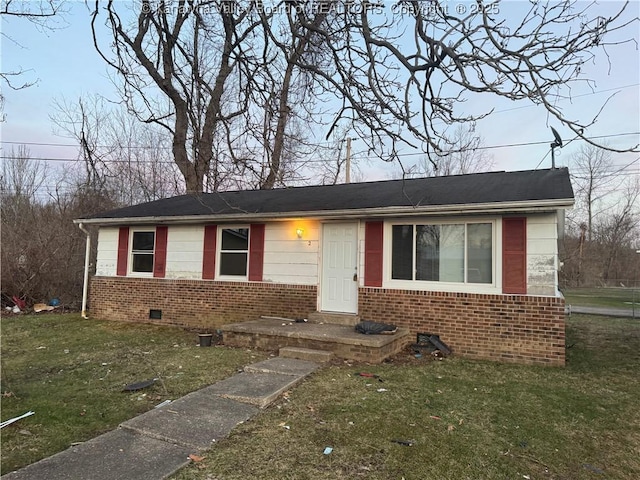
<point x="490" y="289"/>
<point x="140" y="274"/>
<point x="232" y="278"/>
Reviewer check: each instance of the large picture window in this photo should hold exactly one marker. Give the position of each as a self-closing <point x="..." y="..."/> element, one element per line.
<point x="142" y="251"/>
<point x="456" y="253"/>
<point x="234" y="252"/>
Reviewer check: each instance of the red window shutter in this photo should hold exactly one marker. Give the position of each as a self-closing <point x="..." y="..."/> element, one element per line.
<point x="514" y="255"/>
<point x="373" y="254"/>
<point x="209" y="256"/>
<point x="160" y="252"/>
<point x="256" y="252"/>
<point x="123" y="251"/>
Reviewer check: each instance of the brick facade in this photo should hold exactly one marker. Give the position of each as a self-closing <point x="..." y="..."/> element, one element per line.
<point x="510" y="328"/>
<point x="196" y="303"/>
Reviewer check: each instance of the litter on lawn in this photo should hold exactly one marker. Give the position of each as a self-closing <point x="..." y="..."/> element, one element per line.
<point x="132" y="387"/>
<point x="41" y="307"/>
<point x="368" y="327"/>
<point x="432" y="344"/>
<point x="15" y="419"/>
<point x="369" y="375"/>
<point x="406" y="443"/>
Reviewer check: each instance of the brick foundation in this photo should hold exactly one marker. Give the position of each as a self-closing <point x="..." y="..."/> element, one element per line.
<point x="196" y="303"/>
<point x="510" y="328"/>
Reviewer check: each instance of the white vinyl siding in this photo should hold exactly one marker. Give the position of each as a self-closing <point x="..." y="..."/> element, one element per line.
<point x="107" y="257"/>
<point x="292" y="260"/>
<point x="542" y="254"/>
<point x="289" y="259"/>
<point x="185" y="245"/>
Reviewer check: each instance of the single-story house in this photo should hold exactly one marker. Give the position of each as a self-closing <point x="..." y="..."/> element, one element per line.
<point x="472" y="258"/>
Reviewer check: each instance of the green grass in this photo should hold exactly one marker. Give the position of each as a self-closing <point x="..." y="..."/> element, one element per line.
<point x="491" y="420"/>
<point x="466" y="419"/>
<point x="603" y="297"/>
<point x="71" y="372"/>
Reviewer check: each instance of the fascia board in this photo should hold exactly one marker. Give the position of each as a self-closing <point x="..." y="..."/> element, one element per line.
<point x="536" y="206"/>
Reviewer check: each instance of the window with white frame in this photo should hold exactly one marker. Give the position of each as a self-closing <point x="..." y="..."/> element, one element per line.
<point x="142" y="251"/>
<point x="234" y="252"/>
<point x="456" y="253"/>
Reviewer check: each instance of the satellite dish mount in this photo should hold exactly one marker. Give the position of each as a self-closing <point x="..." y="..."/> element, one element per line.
<point x="557" y="142"/>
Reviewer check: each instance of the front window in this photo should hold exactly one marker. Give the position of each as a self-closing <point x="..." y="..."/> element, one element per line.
<point x="234" y="252"/>
<point x="142" y="252"/>
<point x="455" y="253"/>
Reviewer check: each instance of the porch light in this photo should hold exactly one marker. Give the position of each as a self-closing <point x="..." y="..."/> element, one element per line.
<point x="299" y="232"/>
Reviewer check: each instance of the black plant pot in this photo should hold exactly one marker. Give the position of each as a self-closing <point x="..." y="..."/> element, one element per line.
<point x="205" y="339"/>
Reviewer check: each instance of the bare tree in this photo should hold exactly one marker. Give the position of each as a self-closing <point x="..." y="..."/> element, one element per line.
<point x="21" y="180"/>
<point x="618" y="230"/>
<point x="223" y="79"/>
<point x="403" y="77"/>
<point x="41" y="248"/>
<point x="289" y="92"/>
<point x="141" y="169"/>
<point x="21" y="177"/>
<point x="85" y="122"/>
<point x="171" y="49"/>
<point x="121" y="158"/>
<point x="41" y="14"/>
<point x="211" y="72"/>
<point x="593" y="179"/>
<point x="467" y="155"/>
<point x="34" y="11"/>
<point x="608" y="255"/>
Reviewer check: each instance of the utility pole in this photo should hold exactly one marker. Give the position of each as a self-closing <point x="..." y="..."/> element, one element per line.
<point x="348" y="166"/>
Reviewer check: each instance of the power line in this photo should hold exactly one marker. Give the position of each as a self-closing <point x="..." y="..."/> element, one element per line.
<point x="573" y="97"/>
<point x="511" y="145"/>
<point x="625" y="167"/>
<point x="53" y="159"/>
<point x="612" y="171"/>
<point x="401" y="155"/>
<point x="44" y="144"/>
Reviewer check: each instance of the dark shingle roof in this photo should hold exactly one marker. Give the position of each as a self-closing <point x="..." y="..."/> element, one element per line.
<point x="422" y="193"/>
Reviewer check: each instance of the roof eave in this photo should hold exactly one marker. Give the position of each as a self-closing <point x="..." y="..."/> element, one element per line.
<point x="530" y="206"/>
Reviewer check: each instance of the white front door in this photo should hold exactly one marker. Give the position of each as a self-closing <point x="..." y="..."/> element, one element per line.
<point x="339" y="289"/>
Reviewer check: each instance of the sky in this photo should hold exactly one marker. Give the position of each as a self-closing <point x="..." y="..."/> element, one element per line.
<point x="63" y="64"/>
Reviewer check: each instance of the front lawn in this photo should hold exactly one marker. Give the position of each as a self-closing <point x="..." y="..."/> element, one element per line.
<point x="453" y="419"/>
<point x="71" y="373"/>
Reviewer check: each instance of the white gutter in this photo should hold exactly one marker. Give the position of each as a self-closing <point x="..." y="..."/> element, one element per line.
<point x="87" y="259"/>
<point x="531" y="206"/>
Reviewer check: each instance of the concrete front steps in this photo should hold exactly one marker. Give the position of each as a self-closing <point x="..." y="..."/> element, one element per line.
<point x="334" y="318"/>
<point x="309" y="354"/>
<point x="308" y="340"/>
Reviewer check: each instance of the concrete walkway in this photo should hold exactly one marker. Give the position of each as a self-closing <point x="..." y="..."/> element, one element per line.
<point x="157" y="443"/>
<point x="607" y="311"/>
